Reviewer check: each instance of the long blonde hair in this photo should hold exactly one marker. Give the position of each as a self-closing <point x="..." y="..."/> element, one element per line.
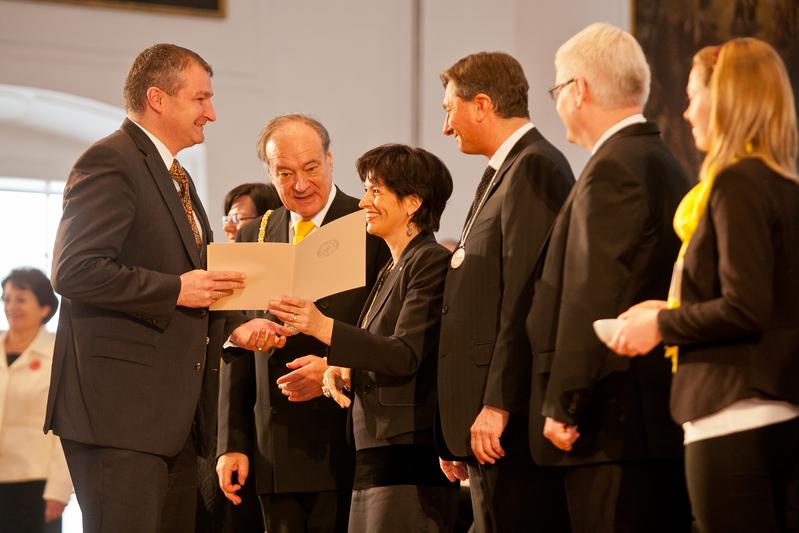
<point x="752" y="112"/>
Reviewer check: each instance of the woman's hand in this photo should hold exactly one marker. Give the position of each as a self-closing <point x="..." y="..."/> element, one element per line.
<point x="648" y="304"/>
<point x="53" y="510"/>
<point x="639" y="333"/>
<point x="335" y="381"/>
<point x="303" y="316"/>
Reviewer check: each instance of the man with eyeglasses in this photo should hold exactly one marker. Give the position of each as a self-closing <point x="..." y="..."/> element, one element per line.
<point x="273" y="411"/>
<point x="602" y="417"/>
<point x="484" y="356"/>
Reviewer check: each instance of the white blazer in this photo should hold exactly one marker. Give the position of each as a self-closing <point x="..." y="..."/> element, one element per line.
<point x="26" y="453"/>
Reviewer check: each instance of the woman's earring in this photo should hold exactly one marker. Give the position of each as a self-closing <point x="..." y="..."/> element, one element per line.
<point x="408" y="230"/>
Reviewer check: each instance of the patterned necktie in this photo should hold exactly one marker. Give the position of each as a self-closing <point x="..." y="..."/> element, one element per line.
<point x="481" y="189"/>
<point x="301" y="230"/>
<point x="179" y="175"/>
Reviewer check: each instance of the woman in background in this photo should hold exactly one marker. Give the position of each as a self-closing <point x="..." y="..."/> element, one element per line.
<point x="246" y="202"/>
<point x="732" y="320"/>
<point x="34" y="479"/>
<point x="398" y="483"/>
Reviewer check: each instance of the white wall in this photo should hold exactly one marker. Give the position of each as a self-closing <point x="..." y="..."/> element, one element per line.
<point x="349" y="63"/>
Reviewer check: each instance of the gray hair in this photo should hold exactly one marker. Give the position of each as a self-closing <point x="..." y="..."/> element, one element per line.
<point x="611" y="62"/>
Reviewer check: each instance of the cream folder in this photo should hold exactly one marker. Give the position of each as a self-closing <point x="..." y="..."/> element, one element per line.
<point x="331" y="259"/>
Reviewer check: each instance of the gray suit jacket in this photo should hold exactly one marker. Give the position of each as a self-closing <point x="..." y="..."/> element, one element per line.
<point x="129" y="364"/>
<point x="394" y="358"/>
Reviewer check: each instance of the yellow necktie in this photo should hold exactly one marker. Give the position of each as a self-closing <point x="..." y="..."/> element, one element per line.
<point x="301" y="230"/>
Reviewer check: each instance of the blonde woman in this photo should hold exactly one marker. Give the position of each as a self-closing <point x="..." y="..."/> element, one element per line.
<point x="732" y="320"/>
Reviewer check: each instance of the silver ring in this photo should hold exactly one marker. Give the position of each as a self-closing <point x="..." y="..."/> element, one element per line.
<point x="294" y="318"/>
<point x="292" y="329"/>
<point x="325" y="391"/>
<point x="260" y="347"/>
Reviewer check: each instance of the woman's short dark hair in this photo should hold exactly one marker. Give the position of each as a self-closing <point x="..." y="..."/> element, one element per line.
<point x="263" y="195"/>
<point x="35" y="281"/>
<point x="405" y="171"/>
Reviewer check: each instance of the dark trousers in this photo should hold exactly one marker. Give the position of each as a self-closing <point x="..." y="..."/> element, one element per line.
<point x="126" y="491"/>
<point x="514" y="494"/>
<point x="22" y="508"/>
<point x="402" y="508"/>
<point x="746" y="481"/>
<point x="628" y="497"/>
<point x="306" y="512"/>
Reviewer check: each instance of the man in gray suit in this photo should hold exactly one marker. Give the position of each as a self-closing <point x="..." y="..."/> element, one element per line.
<point x="136" y="345"/>
<point x="484" y="356"/>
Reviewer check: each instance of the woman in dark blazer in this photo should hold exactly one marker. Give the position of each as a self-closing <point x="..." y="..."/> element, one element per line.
<point x="392" y="352"/>
<point x="732" y="320"/>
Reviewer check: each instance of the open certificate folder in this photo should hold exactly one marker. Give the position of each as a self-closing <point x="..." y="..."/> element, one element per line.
<point x="331" y="259"/>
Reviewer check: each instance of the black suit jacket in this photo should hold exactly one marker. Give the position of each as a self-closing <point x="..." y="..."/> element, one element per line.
<point x="612" y="246"/>
<point x="394" y="358"/>
<point x="129" y="365"/>
<point x="738" y="323"/>
<point x="484" y="355"/>
<point x="295" y="446"/>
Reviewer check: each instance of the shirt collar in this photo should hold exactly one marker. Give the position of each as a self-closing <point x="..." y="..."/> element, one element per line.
<point x="638" y="118"/>
<point x="163" y="151"/>
<point x="319" y="217"/>
<point x="504" y="149"/>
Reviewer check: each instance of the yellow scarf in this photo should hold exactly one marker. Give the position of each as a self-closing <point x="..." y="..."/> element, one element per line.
<point x="686" y="219"/>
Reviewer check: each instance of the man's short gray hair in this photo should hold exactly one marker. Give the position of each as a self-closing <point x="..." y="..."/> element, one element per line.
<point x="611" y="62"/>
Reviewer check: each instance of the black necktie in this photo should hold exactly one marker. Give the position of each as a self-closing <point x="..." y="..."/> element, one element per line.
<point x="481" y="189"/>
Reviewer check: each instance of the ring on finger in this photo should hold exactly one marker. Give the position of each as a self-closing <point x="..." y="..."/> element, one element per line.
<point x="292" y="329"/>
<point x="326" y="391"/>
<point x="294" y="318"/>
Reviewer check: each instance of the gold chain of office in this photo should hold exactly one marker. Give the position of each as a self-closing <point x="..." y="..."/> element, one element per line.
<point x="262" y="228"/>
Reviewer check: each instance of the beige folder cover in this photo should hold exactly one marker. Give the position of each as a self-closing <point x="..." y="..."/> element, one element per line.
<point x="331" y="259"/>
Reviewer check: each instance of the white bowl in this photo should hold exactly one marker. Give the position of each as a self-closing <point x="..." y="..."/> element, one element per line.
<point x="606" y="328"/>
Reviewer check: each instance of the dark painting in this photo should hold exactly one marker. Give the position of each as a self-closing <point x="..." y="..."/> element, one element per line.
<point x="672" y="32"/>
<point x="213" y="8"/>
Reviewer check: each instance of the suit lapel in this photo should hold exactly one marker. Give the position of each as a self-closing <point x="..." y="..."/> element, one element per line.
<point x="383" y="292"/>
<point x="391" y="279"/>
<point x="277" y="229"/>
<point x="338" y="208"/>
<point x="526" y="139"/>
<point x="166" y="186"/>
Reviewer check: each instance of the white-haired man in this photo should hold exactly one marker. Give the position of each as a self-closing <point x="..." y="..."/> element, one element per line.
<point x="602" y="417"/>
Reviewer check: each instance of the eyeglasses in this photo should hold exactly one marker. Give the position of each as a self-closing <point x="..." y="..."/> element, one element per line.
<point x="235" y="218"/>
<point x="554" y="92"/>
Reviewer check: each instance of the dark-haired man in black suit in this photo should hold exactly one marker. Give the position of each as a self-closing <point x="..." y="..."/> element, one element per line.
<point x="484" y="356"/>
<point x="274" y="412"/>
<point x="603" y="417"/>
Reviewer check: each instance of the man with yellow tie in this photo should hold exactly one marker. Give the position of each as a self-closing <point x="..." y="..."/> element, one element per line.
<point x="272" y="412"/>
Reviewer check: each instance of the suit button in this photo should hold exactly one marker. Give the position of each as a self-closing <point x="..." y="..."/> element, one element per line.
<point x="274" y="410"/>
<point x="323" y="304"/>
<point x="444" y="309"/>
<point x="198" y="366"/>
<point x="203" y="312"/>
